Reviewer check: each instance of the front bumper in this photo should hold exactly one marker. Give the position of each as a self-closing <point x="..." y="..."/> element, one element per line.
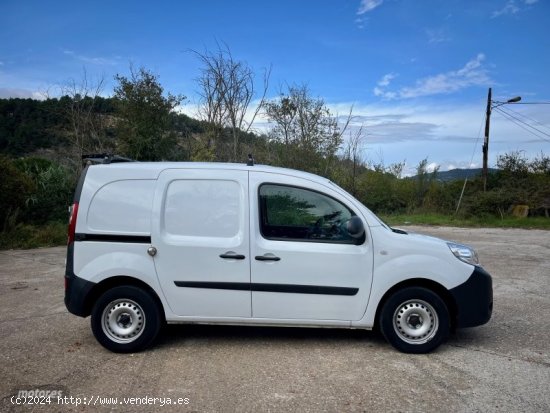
<point x="474" y="299"/>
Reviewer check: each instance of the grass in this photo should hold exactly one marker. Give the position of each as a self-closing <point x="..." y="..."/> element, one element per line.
<point x="454" y="221"/>
<point x="27" y="236"/>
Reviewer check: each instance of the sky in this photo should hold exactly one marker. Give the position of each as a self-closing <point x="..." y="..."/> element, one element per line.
<point x="416" y="73"/>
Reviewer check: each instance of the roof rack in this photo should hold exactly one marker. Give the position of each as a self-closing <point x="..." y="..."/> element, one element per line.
<point x="103" y="158"/>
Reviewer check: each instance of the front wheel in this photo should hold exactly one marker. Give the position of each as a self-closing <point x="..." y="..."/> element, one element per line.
<point x="126" y="319"/>
<point x="415" y="320"/>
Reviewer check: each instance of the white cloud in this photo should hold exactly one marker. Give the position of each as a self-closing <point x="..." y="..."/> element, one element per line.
<point x="102" y="61"/>
<point x="380" y="91"/>
<point x="472" y="74"/>
<point x="386" y="79"/>
<point x="432" y="166"/>
<point x="448" y="135"/>
<point x="509" y="8"/>
<point x="360" y="22"/>
<point x="6" y="93"/>
<point x="368" y="5"/>
<point x="437" y="36"/>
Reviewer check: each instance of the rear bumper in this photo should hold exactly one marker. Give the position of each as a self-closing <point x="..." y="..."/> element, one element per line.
<point x="474" y="299"/>
<point x="77" y="290"/>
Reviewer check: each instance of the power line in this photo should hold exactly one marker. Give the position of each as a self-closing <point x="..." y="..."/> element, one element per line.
<point x="527" y="117"/>
<point x="531" y="103"/>
<point x="525" y="123"/>
<point x="521" y="124"/>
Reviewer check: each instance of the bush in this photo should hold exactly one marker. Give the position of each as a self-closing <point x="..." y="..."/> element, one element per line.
<point x="15" y="188"/>
<point x="53" y="188"/>
<point x="32" y="236"/>
<point x="382" y="192"/>
<point x="496" y="202"/>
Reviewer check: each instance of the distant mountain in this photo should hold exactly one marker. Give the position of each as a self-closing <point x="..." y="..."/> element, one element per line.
<point x="459" y="174"/>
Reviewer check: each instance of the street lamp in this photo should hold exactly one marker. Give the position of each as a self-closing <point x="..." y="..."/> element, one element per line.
<point x="491" y="104"/>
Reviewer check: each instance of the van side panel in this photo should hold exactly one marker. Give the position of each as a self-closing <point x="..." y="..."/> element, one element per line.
<point x="97" y="261"/>
<point x="108" y="189"/>
<point x="122" y="207"/>
<point x="114" y="228"/>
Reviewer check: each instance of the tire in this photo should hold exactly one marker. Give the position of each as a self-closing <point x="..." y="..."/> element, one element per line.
<point x="415" y="320"/>
<point x="126" y="319"/>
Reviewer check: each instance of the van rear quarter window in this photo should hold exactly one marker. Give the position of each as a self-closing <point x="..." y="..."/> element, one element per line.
<point x="122" y="206"/>
<point x="203" y="208"/>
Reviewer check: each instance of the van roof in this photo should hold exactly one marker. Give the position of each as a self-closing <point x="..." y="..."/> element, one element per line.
<point x="157" y="167"/>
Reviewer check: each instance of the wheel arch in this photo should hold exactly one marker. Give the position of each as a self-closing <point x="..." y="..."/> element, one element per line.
<point x="117" y="281"/>
<point x="431" y="285"/>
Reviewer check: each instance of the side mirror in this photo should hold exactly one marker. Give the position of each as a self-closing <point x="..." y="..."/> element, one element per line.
<point x="354" y="227"/>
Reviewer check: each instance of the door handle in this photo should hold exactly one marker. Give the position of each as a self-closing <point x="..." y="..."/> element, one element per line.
<point x="267" y="258"/>
<point x="232" y="256"/>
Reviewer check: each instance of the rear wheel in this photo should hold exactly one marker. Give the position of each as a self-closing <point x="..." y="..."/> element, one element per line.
<point x="126" y="319"/>
<point x="415" y="320"/>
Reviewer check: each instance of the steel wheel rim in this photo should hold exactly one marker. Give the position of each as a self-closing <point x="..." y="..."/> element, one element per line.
<point x="415" y="321"/>
<point x="123" y="321"/>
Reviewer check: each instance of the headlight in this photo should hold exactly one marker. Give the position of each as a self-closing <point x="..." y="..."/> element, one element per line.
<point x="464" y="253"/>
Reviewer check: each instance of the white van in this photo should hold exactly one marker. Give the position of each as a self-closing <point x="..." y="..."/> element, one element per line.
<point x="217" y="243"/>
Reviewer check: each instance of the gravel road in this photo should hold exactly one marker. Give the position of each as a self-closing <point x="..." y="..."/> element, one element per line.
<point x="499" y="367"/>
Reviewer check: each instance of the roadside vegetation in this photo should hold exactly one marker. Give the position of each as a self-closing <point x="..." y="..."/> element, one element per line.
<point x="42" y="144"/>
<point x="399" y="220"/>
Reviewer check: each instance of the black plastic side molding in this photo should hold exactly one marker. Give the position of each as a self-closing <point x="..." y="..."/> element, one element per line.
<point x="138" y="239"/>
<point x="271" y="288"/>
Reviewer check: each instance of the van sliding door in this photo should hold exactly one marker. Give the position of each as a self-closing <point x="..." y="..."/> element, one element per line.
<point x="200" y="230"/>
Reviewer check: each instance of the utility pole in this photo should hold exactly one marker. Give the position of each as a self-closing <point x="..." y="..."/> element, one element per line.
<point x="491" y="104"/>
<point x="486" y="141"/>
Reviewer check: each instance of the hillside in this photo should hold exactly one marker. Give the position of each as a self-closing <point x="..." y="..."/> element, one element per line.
<point x="460" y="174"/>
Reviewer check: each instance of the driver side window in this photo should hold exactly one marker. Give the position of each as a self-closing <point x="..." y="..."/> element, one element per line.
<point x="295" y="214"/>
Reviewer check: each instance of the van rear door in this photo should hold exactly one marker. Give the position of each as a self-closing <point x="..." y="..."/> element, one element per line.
<point x="201" y="235"/>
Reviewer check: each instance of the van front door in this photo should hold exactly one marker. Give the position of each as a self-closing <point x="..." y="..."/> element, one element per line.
<point x="305" y="265"/>
<point x="200" y="230"/>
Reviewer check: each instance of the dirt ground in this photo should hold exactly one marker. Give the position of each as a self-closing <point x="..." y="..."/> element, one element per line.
<point x="499" y="367"/>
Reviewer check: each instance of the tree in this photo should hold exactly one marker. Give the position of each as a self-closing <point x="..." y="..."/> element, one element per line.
<point x="514" y="163"/>
<point x="424" y="181"/>
<point x="311" y="134"/>
<point x="353" y="158"/>
<point x="143" y="127"/>
<point x="27" y="125"/>
<point x="227" y="87"/>
<point x="84" y="124"/>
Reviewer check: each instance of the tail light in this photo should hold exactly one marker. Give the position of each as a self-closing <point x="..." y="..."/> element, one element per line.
<point x="72" y="222"/>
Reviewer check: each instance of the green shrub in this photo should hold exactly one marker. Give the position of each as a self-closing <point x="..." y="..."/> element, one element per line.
<point x="53" y="188"/>
<point x="32" y="236"/>
<point x="496" y="203"/>
<point x="15" y="188"/>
